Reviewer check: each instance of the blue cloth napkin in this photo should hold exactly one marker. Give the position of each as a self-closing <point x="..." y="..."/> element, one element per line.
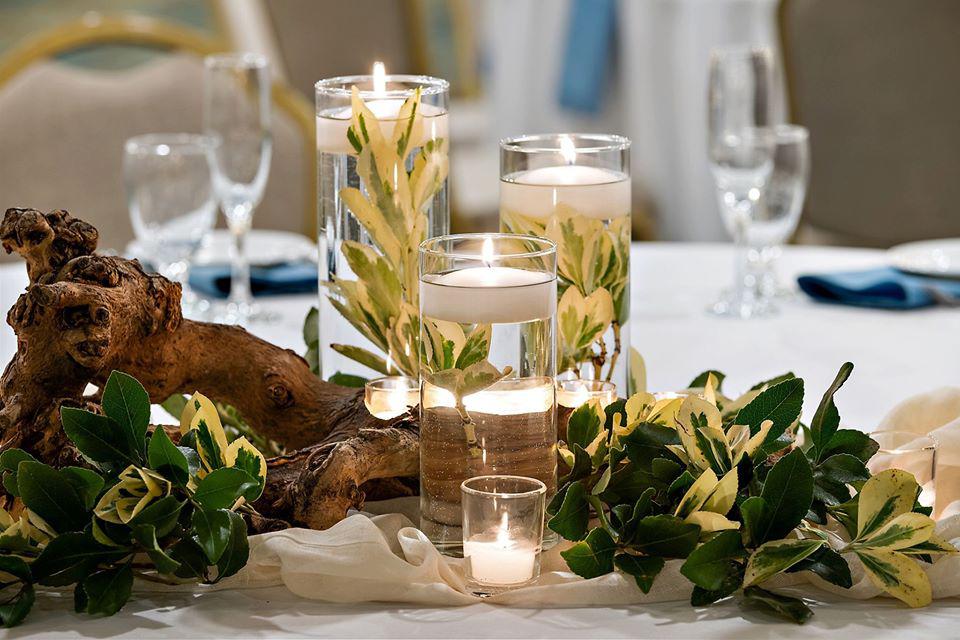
<point x="289" y="278"/>
<point x="588" y="55"/>
<point x="881" y="288"/>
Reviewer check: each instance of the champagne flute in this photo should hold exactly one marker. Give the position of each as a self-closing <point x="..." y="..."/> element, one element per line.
<point x="169" y="186"/>
<point x="740" y="151"/>
<point x="236" y="111"/>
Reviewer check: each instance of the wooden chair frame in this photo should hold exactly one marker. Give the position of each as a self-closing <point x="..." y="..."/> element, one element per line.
<point x="96" y="29"/>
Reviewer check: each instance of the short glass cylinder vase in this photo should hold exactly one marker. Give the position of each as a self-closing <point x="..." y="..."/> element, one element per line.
<point x="487" y="369"/>
<point x="502" y="532"/>
<point x="575" y="190"/>
<point x="382" y="153"/>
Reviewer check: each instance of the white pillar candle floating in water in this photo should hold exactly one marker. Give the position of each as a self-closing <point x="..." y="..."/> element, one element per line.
<point x="572" y="393"/>
<point x="502" y="531"/>
<point x="488" y="294"/>
<point x="593" y="192"/>
<point x="385" y="103"/>
<point x="391" y="396"/>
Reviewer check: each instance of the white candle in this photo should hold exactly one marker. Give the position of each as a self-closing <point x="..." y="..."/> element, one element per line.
<point x="573" y="393"/>
<point x="591" y="191"/>
<point x="489" y="295"/>
<point x="497" y="559"/>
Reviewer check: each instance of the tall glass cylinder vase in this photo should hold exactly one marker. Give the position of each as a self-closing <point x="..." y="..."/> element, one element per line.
<point x="575" y="190"/>
<point x="382" y="148"/>
<point x="487" y="369"/>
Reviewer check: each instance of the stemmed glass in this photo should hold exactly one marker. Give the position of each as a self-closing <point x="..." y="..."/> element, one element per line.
<point x="740" y="151"/>
<point x="236" y="111"/>
<point x="169" y="186"/>
<point x="780" y="206"/>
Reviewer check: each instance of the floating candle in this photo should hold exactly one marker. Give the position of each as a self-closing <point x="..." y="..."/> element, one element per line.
<point x="573" y="393"/>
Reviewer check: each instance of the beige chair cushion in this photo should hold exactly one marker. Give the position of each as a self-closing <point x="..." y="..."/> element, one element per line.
<point x="62" y="130"/>
<point x="874" y="81"/>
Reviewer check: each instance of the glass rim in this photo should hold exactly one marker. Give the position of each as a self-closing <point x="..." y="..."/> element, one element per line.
<point x="245" y="59"/>
<point x="930" y="443"/>
<point x="191" y="143"/>
<point x="539" y="487"/>
<point x="590" y="386"/>
<point x="379" y="383"/>
<point x="427" y="247"/>
<point x="613" y="142"/>
<point x="740" y="50"/>
<point x="341" y="86"/>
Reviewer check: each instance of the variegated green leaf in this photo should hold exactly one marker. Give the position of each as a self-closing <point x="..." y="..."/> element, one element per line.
<point x="697" y="494"/>
<point x="773" y="557"/>
<point x="906" y="530"/>
<point x="897" y="574"/>
<point x="884" y="497"/>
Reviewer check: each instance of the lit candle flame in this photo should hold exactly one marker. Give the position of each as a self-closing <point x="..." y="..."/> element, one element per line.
<point x="379" y="77"/>
<point x="568" y="150"/>
<point x="486" y="253"/>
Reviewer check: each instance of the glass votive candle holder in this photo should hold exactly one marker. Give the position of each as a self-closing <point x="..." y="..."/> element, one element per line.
<point x="502" y="531"/>
<point x="391" y="396"/>
<point x="914" y="453"/>
<point x="575" y="392"/>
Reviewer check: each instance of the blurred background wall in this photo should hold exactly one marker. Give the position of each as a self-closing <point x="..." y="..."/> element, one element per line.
<point x="633" y="67"/>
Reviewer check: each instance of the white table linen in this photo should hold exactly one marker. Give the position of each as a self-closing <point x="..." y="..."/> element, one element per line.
<point x="897" y="355"/>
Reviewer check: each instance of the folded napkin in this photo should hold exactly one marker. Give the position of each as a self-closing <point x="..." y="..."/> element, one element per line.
<point x="384" y="558"/>
<point x="288" y="278"/>
<point x="882" y="288"/>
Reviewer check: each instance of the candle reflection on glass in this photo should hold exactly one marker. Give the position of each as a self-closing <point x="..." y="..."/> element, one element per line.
<point x="573" y="393"/>
<point x="502" y="531"/>
<point x="391" y="396"/>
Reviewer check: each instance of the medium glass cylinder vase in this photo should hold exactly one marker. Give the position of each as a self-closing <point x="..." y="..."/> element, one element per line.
<point x="382" y="151"/>
<point x="575" y="190"/>
<point x="487" y="369"/>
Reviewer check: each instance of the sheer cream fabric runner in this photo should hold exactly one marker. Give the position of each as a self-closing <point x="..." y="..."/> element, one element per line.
<point x="385" y="558"/>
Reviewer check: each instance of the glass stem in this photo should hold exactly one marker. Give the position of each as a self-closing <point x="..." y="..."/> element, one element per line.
<point x="239" y="267"/>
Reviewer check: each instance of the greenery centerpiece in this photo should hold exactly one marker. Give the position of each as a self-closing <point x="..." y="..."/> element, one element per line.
<point x="143" y="507"/>
<point x="741" y="491"/>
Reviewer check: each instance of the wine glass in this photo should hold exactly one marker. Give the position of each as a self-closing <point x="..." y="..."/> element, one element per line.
<point x="236" y="110"/>
<point x="778" y="211"/>
<point x="740" y="151"/>
<point x="169" y="185"/>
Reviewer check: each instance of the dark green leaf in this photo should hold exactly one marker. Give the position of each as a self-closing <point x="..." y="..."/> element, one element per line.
<point x="828" y="564"/>
<point x="10" y="459"/>
<point x="582" y="465"/>
<point x="10" y="483"/>
<point x="853" y="442"/>
<point x="85" y="482"/>
<point x="666" y="536"/>
<point x="843" y="467"/>
<point x="788" y="494"/>
<point x="161" y="514"/>
<point x="557" y="500"/>
<point x="792" y="609"/>
<point x="780" y="403"/>
<point x="593" y="557"/>
<point x="644" y="569"/>
<point x="574" y="514"/>
<point x="14" y="610"/>
<point x="584" y="425"/>
<point x="128" y="404"/>
<point x="847" y="514"/>
<point x="208" y="443"/>
<point x="212" y="527"/>
<point x="165" y="458"/>
<point x="108" y="590"/>
<point x="701" y="380"/>
<point x="772" y="381"/>
<point x="193" y="458"/>
<point x="193" y="563"/>
<point x="648" y="441"/>
<point x="732" y="581"/>
<point x="146" y="535"/>
<point x="629" y="483"/>
<point x="753" y="511"/>
<point x="97" y="437"/>
<point x="252" y="464"/>
<point x="69" y="557"/>
<point x="51" y="496"/>
<point x="709" y="565"/>
<point x="79" y="598"/>
<point x="221" y="488"/>
<point x="827" y="419"/>
<point x="311" y="326"/>
<point x="174" y="405"/>
<point x="348" y="380"/>
<point x="16" y="567"/>
<point x="679" y="486"/>
<point x="238" y="548"/>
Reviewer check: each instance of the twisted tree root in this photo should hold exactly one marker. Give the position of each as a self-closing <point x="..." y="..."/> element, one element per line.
<point x="84" y="315"/>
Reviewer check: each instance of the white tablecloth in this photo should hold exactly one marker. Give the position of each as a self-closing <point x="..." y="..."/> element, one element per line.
<point x="897" y="355"/>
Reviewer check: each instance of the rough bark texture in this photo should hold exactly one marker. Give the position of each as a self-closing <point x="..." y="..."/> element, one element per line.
<point x="84" y="315"/>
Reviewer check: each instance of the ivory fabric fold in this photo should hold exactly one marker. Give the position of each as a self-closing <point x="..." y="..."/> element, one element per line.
<point x="385" y="558"/>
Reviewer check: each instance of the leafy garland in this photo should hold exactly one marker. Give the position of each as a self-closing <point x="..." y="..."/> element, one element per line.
<point x="144" y="508"/>
<point x="726" y="486"/>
